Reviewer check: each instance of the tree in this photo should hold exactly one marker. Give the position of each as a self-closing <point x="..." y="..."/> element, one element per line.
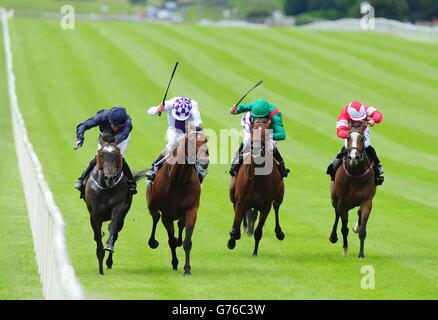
<point x="295" y="7"/>
<point x="391" y="9"/>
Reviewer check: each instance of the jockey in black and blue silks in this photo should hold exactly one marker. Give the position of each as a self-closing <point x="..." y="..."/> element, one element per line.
<point x="116" y="123"/>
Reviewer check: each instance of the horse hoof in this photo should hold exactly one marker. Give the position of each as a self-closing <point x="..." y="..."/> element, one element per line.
<point x="187" y="273"/>
<point x="333" y="239"/>
<point x="280" y="235"/>
<point x="345" y="252"/>
<point x="361" y="256"/>
<point x="254" y="254"/>
<point x="153" y="244"/>
<point x="109" y="248"/>
<point x="231" y="244"/>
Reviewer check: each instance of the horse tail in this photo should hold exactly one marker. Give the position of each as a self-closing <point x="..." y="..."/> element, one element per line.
<point x="139" y="175"/>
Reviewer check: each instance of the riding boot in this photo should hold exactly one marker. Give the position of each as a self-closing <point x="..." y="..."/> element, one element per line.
<point x="201" y="170"/>
<point x="80" y="184"/>
<point x="378" y="169"/>
<point x="152" y="172"/>
<point x="237" y="160"/>
<point x="333" y="167"/>
<point x="281" y="166"/>
<point x="132" y="185"/>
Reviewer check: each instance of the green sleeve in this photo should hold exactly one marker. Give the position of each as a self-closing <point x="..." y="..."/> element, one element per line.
<point x="277" y="126"/>
<point x="244" y="107"/>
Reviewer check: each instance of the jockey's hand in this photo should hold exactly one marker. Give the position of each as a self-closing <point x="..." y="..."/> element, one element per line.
<point x="160" y="108"/>
<point x="371" y="122"/>
<point x="78" y="144"/>
<point x="233" y="109"/>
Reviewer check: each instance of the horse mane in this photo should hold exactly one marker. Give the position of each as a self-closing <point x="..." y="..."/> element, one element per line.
<point x="107" y="138"/>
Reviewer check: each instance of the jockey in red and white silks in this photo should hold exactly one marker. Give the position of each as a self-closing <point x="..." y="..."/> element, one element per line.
<point x="356" y="113"/>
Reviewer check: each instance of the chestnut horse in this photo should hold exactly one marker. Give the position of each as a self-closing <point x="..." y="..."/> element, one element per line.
<point x="175" y="193"/>
<point x="251" y="192"/>
<point x="354" y="186"/>
<point x="107" y="197"/>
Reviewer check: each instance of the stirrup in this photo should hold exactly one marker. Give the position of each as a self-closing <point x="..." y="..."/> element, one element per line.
<point x="79" y="185"/>
<point x="150" y="175"/>
<point x="132" y="187"/>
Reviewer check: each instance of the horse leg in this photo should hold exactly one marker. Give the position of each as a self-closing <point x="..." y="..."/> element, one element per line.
<point x="344" y="217"/>
<point x="168" y="224"/>
<point x="153" y="243"/>
<point x="333" y="236"/>
<point x="259" y="230"/>
<point x="100" y="253"/>
<point x="116" y="224"/>
<point x="245" y="223"/>
<point x="114" y="228"/>
<point x="239" y="212"/>
<point x="190" y="221"/>
<point x="365" y="210"/>
<point x="181" y="224"/>
<point x="279" y="234"/>
<point x="357" y="225"/>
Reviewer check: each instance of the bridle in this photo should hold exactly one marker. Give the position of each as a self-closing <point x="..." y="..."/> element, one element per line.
<point x="360" y="157"/>
<point x="119" y="173"/>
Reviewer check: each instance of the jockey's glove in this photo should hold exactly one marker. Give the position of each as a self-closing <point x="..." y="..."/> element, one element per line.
<point x="78" y="144"/>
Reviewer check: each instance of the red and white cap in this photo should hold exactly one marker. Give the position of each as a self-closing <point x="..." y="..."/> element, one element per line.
<point x="357" y="111"/>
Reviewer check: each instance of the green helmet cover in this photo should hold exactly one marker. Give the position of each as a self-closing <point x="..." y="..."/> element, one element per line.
<point x="260" y="109"/>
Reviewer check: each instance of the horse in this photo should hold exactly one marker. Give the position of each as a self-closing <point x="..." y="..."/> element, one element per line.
<point x="354" y="186"/>
<point x="107" y="197"/>
<point x="175" y="194"/>
<point x="251" y="193"/>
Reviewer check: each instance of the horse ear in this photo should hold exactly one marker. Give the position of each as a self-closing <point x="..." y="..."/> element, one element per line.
<point x="98" y="162"/>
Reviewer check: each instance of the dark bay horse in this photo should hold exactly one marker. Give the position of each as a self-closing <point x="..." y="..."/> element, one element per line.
<point x="354" y="186"/>
<point x="107" y="198"/>
<point x="252" y="192"/>
<point x="175" y="195"/>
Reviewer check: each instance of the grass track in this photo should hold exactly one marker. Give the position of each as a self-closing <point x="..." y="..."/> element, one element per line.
<point x="18" y="271"/>
<point x="64" y="76"/>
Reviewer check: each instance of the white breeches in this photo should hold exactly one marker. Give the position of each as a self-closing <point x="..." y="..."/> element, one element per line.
<point x="173" y="135"/>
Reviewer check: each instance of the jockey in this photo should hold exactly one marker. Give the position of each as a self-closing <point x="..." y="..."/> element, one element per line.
<point x="259" y="109"/>
<point x="353" y="114"/>
<point x="184" y="115"/>
<point x="114" y="122"/>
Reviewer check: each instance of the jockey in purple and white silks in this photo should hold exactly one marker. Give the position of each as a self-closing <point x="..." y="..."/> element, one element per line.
<point x="184" y="114"/>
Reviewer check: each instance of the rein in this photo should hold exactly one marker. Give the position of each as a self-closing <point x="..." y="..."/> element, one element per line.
<point x="362" y="175"/>
<point x="106" y="188"/>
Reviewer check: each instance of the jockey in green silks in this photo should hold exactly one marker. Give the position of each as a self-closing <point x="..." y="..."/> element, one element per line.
<point x="259" y="109"/>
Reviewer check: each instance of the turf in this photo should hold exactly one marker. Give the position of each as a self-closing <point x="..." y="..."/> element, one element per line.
<point x="65" y="76"/>
<point x="18" y="271"/>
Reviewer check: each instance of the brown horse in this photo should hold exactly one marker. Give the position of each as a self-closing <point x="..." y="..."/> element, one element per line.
<point x="175" y="194"/>
<point x="354" y="186"/>
<point x="107" y="198"/>
<point x="251" y="192"/>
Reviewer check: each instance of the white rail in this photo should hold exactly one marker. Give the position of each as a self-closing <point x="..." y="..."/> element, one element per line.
<point x="403" y="29"/>
<point x="48" y="229"/>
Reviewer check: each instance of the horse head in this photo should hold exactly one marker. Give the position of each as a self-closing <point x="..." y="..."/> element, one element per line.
<point x="259" y="138"/>
<point x="109" y="160"/>
<point x="356" y="145"/>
